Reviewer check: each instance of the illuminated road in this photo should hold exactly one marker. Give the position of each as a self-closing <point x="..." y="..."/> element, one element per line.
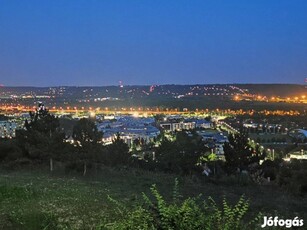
<point x="75" y="110"/>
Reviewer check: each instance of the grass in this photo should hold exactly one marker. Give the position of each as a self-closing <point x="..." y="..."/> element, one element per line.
<point x="40" y="200"/>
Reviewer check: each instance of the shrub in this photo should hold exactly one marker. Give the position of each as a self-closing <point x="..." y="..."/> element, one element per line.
<point x="9" y="150"/>
<point x="292" y="177"/>
<point x="190" y="213"/>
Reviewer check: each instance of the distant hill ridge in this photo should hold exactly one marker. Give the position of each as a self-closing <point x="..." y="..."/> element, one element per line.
<point x="282" y="90"/>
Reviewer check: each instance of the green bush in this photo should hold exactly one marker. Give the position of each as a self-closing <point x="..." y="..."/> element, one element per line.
<point x="190" y="213"/>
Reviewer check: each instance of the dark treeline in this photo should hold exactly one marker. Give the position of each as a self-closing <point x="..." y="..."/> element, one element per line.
<point x="42" y="140"/>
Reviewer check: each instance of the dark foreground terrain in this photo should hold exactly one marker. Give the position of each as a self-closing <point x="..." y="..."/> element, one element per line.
<point x="39" y="200"/>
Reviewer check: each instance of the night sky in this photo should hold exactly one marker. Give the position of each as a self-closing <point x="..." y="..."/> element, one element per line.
<point x="99" y="42"/>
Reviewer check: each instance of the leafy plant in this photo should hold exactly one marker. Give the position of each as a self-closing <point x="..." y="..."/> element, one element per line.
<point x="191" y="213"/>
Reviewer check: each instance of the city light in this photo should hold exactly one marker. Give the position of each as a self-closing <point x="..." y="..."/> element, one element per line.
<point x="135" y="114"/>
<point x="92" y="114"/>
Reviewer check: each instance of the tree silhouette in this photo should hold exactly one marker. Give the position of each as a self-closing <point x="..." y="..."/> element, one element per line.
<point x="118" y="152"/>
<point x="42" y="137"/>
<point x="239" y="154"/>
<point x="87" y="139"/>
<point x="182" y="154"/>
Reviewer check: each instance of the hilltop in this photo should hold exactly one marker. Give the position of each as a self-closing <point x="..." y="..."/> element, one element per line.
<point x="281" y="90"/>
<point x="159" y="96"/>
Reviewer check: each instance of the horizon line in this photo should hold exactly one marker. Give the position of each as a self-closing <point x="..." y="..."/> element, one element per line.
<point x="131" y="85"/>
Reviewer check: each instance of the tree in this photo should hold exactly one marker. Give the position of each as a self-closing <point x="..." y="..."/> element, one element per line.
<point x="87" y="138"/>
<point x="42" y="137"/>
<point x="118" y="152"/>
<point x="182" y="154"/>
<point x="239" y="154"/>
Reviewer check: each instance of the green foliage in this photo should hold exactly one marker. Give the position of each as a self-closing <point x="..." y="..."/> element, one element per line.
<point x="140" y="218"/>
<point x="42" y="137"/>
<point x="85" y="133"/>
<point x="117" y="153"/>
<point x="180" y="155"/>
<point x="190" y="213"/>
<point x="231" y="217"/>
<point x="208" y="157"/>
<point x="239" y="154"/>
<point x="87" y="139"/>
<point x="43" y="140"/>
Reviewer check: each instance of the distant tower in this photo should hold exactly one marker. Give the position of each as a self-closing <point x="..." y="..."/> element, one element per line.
<point x="121" y="84"/>
<point x="152" y="88"/>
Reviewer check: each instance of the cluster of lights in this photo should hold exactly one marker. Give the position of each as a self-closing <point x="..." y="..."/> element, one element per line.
<point x="295" y="99"/>
<point x="74" y="109"/>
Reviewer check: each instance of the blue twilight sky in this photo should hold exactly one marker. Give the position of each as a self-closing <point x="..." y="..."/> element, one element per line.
<point x="99" y="42"/>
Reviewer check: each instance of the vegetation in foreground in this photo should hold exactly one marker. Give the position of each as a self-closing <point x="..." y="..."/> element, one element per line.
<point x="43" y="200"/>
